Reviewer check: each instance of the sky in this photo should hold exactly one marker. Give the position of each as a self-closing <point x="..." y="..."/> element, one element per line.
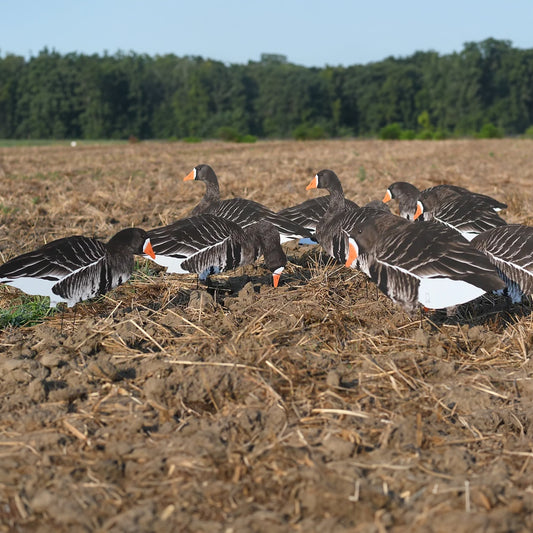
<point x="312" y="33"/>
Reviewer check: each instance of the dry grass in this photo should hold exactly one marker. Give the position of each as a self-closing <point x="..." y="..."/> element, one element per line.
<point x="317" y="405"/>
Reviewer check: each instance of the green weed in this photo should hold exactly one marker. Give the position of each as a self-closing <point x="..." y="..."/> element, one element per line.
<point x="29" y="310"/>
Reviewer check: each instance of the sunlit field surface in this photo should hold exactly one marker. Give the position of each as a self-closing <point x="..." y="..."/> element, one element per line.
<point x="168" y="405"/>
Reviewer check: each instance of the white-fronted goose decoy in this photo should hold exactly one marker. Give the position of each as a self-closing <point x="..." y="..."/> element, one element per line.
<point x="73" y="269"/>
<point x="510" y="249"/>
<point x="413" y="264"/>
<point x="208" y="244"/>
<point x="408" y="195"/>
<point x="239" y="210"/>
<point x="309" y="213"/>
<point x="467" y="212"/>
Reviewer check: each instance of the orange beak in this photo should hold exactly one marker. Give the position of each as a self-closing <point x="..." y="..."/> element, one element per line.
<point x="276" y="275"/>
<point x="148" y="250"/>
<point x="313" y="184"/>
<point x="189" y="176"/>
<point x="352" y="253"/>
<point x="418" y="211"/>
<point x="387" y="197"/>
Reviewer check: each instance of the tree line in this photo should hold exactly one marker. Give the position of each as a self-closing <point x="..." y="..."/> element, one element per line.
<point x="77" y="96"/>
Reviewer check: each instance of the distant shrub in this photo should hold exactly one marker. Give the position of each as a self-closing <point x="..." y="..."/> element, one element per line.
<point x="529" y="132"/>
<point x="407" y="135"/>
<point x="132" y="139"/>
<point x="439" y="135"/>
<point x="247" y="139"/>
<point x="425" y="135"/>
<point x="227" y="133"/>
<point x="172" y="139"/>
<point x="305" y="132"/>
<point x="344" y="132"/>
<point x="390" y="132"/>
<point x="490" y="131"/>
<point x="192" y="139"/>
<point x="424" y="121"/>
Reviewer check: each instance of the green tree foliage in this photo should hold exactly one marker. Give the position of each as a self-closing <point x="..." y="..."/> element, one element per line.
<point x="487" y="84"/>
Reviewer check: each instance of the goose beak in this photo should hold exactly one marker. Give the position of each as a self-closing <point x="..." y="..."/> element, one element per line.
<point x="148" y="250"/>
<point x="313" y="184"/>
<point x="387" y="197"/>
<point x="353" y="253"/>
<point x="276" y="275"/>
<point x="191" y="175"/>
<point x="419" y="210"/>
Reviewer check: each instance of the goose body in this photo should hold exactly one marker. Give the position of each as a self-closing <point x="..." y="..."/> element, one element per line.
<point x="242" y="211"/>
<point x="510" y="249"/>
<point x="208" y="244"/>
<point x="73" y="269"/>
<point x="413" y="264"/>
<point x="466" y="212"/>
<point x="424" y="263"/>
<point x="309" y="213"/>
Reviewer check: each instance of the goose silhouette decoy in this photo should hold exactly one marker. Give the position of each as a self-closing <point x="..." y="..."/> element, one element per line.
<point x="510" y="249"/>
<point x="469" y="213"/>
<point x="77" y="268"/>
<point x="209" y="244"/>
<point x="240" y="210"/>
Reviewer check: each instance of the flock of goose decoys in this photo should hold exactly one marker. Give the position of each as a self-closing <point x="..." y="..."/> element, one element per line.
<point x="448" y="246"/>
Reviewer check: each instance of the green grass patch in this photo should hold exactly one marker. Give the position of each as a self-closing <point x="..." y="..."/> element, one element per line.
<point x="29" y="310"/>
<point x="144" y="268"/>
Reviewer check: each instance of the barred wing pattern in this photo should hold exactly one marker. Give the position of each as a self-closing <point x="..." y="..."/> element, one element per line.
<point x="54" y="260"/>
<point x="309" y="213"/>
<point x="424" y="262"/>
<point x="89" y="281"/>
<point x="465" y="216"/>
<point x="190" y="243"/>
<point x="450" y="191"/>
<point x="400" y="286"/>
<point x="58" y="270"/>
<point x="246" y="212"/>
<point x="510" y="249"/>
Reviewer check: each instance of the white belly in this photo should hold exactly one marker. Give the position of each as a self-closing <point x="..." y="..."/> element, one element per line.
<point x="438" y="293"/>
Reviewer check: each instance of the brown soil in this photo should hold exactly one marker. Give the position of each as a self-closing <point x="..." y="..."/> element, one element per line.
<point x="315" y="406"/>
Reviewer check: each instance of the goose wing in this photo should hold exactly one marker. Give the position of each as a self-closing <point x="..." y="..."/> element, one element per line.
<point x="510" y="249"/>
<point x="467" y="216"/>
<point x="55" y="260"/>
<point x="309" y="213"/>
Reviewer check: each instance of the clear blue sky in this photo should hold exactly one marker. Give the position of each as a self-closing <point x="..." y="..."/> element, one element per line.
<point x="308" y="32"/>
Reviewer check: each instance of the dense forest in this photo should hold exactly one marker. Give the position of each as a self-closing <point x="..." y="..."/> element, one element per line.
<point x="75" y="96"/>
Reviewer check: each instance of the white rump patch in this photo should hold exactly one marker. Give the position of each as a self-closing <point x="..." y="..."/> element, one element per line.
<point x="438" y="293"/>
<point x="37" y="287"/>
<point x="172" y="264"/>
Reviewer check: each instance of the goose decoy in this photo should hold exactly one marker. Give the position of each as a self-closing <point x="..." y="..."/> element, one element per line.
<point x="408" y="195"/>
<point x="309" y="213"/>
<point x="209" y="244"/>
<point x="240" y="210"/>
<point x="466" y="212"/>
<point x="73" y="269"/>
<point x="413" y="264"/>
<point x="510" y="249"/>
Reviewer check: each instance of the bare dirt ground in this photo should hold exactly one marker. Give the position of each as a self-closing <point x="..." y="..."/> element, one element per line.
<point x="317" y="406"/>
